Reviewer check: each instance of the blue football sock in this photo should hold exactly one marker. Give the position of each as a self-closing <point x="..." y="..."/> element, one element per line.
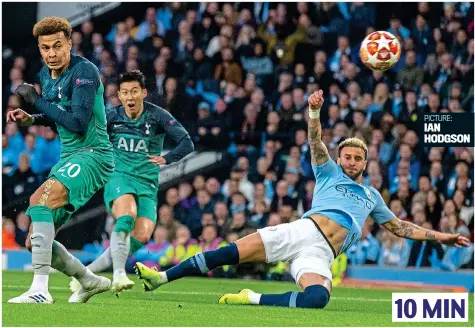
<point x="314" y="297"/>
<point x="202" y="263"/>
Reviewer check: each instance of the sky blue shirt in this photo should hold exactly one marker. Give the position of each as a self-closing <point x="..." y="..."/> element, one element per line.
<point x="346" y="202"/>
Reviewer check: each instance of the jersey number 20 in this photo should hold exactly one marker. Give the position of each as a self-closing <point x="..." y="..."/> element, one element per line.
<point x="72" y="170"/>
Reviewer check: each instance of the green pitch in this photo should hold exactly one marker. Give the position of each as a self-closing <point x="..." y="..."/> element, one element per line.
<point x="193" y="302"/>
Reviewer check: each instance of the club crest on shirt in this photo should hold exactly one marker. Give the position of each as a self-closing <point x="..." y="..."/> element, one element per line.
<point x="368" y="193"/>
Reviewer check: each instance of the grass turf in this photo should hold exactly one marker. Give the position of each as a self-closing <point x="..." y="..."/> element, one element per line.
<point x="193" y="302"/>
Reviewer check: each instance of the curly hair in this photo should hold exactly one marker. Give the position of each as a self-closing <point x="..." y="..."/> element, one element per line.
<point x="52" y="25"/>
<point x="353" y="142"/>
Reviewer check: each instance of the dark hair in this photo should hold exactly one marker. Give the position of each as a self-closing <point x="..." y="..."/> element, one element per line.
<point x="52" y="25"/>
<point x="134" y="76"/>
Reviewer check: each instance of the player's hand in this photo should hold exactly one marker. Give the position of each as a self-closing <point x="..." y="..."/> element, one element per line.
<point x="27" y="92"/>
<point x="453" y="240"/>
<point x="157" y="160"/>
<point x="315" y="101"/>
<point x="20" y="116"/>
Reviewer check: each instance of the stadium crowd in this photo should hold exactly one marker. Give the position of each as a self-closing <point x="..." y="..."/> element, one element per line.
<point x="238" y="77"/>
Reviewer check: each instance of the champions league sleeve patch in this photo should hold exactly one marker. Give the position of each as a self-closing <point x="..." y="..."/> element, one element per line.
<point x="80" y="82"/>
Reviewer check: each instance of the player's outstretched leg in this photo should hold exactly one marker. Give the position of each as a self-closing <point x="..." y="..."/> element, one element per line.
<point x="104" y="261"/>
<point x="313" y="297"/>
<point x="91" y="284"/>
<point x="247" y="249"/>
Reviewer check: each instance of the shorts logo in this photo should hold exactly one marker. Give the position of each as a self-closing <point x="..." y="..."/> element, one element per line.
<point x="117" y="189"/>
<point x="84" y="81"/>
<point x="272" y="228"/>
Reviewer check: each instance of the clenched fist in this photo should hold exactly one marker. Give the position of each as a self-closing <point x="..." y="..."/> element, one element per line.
<point x="315" y="101"/>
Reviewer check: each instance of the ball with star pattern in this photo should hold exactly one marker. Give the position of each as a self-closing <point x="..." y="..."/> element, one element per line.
<point x="380" y="51"/>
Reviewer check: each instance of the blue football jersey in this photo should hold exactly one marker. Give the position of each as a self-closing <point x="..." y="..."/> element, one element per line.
<point x="339" y="198"/>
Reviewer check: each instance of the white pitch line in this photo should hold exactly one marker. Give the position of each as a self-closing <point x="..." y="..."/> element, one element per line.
<point x="219" y="294"/>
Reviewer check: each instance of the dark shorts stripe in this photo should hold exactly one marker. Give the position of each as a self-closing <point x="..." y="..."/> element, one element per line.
<point x="326" y="239"/>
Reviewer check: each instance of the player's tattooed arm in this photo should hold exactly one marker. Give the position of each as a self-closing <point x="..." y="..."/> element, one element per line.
<point x="319" y="151"/>
<point x="409" y="230"/>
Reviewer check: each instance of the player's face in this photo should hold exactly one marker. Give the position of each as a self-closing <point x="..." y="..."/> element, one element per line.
<point x="55" y="50"/>
<point x="352" y="161"/>
<point x="131" y="95"/>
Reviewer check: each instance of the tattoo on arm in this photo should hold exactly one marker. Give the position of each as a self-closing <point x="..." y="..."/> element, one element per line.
<point x="430" y="235"/>
<point x="317" y="147"/>
<point x="404" y="229"/>
<point x="409" y="230"/>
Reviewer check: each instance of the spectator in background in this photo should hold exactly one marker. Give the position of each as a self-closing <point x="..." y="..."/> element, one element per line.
<point x="199" y="69"/>
<point x="8" y="234"/>
<point x="155" y="249"/>
<point x="433" y="208"/>
<point x="16" y="78"/>
<point x="172" y="200"/>
<point x="367" y="250"/>
<point x="258" y="63"/>
<point x="167" y="221"/>
<point x="35" y="154"/>
<point x="23" y="181"/>
<point x="22" y="227"/>
<point x="394" y="251"/>
<point x="144" y="28"/>
<point x="398" y="210"/>
<point x="203" y="205"/>
<point x="246" y="187"/>
<point x="53" y="145"/>
<point x="9" y="157"/>
<point x="397" y="29"/>
<point x="228" y="69"/>
<point x="15" y="138"/>
<point x="182" y="248"/>
<point x="213" y="187"/>
<point x="423" y="253"/>
<point x="121" y="42"/>
<point x="211" y="131"/>
<point x="411" y="76"/>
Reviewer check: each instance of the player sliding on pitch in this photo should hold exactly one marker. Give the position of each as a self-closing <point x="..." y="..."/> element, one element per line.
<point x="137" y="130"/>
<point x="341" y="203"/>
<point x="72" y="102"/>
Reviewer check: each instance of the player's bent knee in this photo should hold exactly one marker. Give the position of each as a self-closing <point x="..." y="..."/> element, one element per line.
<point x="124" y="223"/>
<point x="314" y="297"/>
<point x="142" y="236"/>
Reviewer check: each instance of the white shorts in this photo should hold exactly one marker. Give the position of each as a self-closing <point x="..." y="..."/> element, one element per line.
<point x="301" y="244"/>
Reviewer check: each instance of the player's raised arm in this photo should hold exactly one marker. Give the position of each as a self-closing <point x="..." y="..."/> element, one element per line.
<point x="177" y="133"/>
<point x="409" y="230"/>
<point x="318" y="149"/>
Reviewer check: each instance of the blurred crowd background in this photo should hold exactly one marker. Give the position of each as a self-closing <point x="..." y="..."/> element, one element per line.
<point x="237" y="76"/>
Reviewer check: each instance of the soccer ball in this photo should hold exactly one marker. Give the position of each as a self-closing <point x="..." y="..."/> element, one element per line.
<point x="380" y="51"/>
